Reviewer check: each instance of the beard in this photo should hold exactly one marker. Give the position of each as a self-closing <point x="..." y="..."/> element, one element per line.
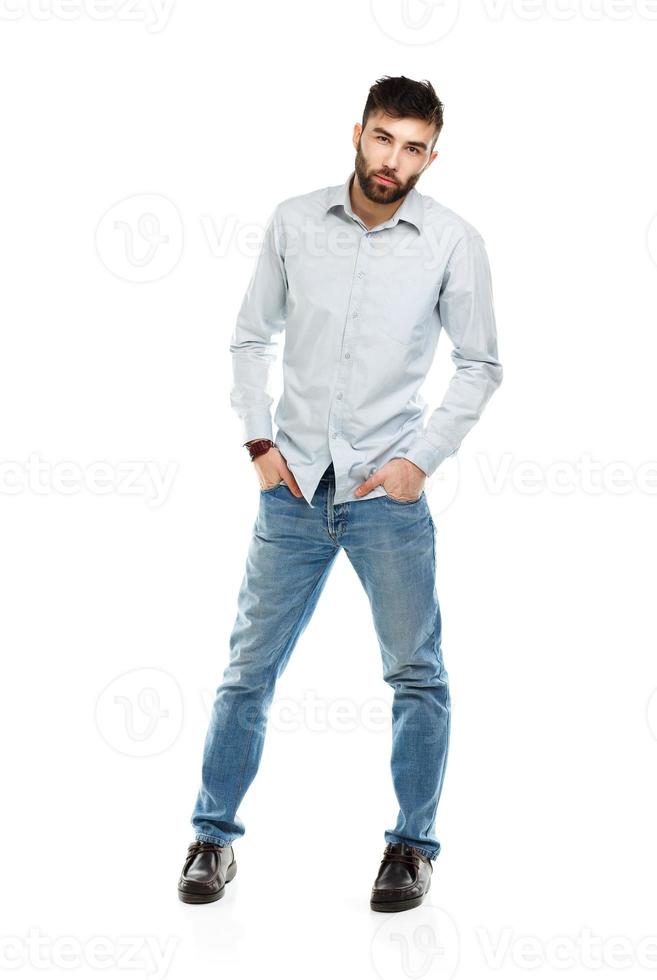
<point x="373" y="190"/>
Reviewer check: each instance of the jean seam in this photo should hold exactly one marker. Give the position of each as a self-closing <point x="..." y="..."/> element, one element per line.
<point x="441" y="671"/>
<point x="210" y="839"/>
<point x="422" y="849"/>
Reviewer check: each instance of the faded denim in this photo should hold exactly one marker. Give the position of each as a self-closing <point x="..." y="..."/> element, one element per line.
<point x="391" y="545"/>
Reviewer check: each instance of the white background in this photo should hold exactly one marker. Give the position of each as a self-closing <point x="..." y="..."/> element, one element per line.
<point x="117" y="605"/>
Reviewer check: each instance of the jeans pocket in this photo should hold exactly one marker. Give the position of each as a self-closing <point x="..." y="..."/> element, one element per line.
<point x="402" y="503"/>
<point x="269" y="489"/>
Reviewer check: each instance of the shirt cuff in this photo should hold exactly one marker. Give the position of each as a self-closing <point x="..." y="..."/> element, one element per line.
<point x="425" y="455"/>
<point x="256" y="427"/>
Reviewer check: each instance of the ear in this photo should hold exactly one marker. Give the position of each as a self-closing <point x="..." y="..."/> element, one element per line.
<point x="356" y="135"/>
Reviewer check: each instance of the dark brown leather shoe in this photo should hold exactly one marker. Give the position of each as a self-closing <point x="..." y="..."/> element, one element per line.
<point x="205" y="872"/>
<point x="403" y="880"/>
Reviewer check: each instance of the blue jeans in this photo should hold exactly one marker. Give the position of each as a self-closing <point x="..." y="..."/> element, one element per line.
<point x="391" y="545"/>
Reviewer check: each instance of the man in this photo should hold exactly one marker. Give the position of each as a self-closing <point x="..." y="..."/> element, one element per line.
<point x="361" y="277"/>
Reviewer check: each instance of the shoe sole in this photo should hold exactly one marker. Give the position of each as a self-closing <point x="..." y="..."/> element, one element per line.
<point x="401" y="905"/>
<point x="202" y="898"/>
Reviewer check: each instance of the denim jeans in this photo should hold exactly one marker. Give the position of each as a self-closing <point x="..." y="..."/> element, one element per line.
<point x="391" y="545"/>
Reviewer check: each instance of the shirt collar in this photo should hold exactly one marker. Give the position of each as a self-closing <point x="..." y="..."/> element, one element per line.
<point x="410" y="209"/>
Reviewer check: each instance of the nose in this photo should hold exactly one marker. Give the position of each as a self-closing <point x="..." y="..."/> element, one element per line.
<point x="390" y="162"/>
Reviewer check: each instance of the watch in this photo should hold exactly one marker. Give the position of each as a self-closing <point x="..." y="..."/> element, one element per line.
<point x="257" y="447"/>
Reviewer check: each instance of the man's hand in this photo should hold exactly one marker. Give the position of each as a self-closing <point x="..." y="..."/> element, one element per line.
<point x="272" y="468"/>
<point x="399" y="477"/>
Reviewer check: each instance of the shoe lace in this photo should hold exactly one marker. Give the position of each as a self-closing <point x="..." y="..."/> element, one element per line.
<point x="197" y="847"/>
<point x="201" y="845"/>
<point x="410" y="856"/>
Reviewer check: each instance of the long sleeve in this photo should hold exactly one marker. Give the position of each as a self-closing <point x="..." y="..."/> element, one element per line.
<point x="465" y="307"/>
<point x="253" y="344"/>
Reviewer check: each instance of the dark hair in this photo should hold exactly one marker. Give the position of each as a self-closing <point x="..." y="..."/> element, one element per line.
<point x="403" y="96"/>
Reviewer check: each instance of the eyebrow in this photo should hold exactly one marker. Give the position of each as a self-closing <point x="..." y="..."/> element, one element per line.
<point x="379" y="129"/>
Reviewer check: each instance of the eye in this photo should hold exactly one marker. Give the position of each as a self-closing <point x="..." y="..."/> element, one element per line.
<point x="414" y="149"/>
<point x="382" y="137"/>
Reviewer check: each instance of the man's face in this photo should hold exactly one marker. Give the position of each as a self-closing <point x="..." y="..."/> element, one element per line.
<point x="396" y="149"/>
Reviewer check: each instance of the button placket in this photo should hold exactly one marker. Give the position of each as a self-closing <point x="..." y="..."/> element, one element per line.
<point x="350" y="336"/>
<point x="358" y="284"/>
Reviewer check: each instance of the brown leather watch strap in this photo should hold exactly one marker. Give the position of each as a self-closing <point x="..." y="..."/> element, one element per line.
<point x="257" y="447"/>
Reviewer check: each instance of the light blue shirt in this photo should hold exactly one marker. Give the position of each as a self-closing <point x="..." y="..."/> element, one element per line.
<point x="361" y="310"/>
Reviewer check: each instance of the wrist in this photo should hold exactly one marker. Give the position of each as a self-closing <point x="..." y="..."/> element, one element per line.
<point x="258" y="447"/>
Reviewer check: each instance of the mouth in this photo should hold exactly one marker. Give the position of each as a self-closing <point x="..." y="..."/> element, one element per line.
<point x="385" y="180"/>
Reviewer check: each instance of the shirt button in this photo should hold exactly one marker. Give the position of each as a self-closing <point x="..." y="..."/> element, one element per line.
<point x="360" y="275"/>
<point x="339" y="394"/>
<point x="354" y="314"/>
<point x="347" y="355"/>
